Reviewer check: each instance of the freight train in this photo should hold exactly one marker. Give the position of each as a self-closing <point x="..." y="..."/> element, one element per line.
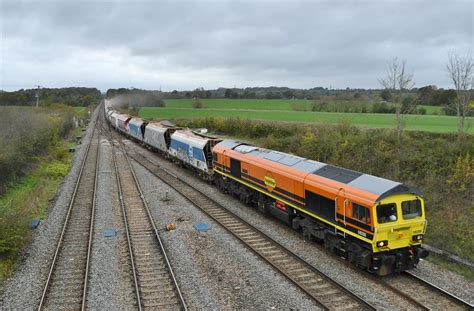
<point x="375" y="223"/>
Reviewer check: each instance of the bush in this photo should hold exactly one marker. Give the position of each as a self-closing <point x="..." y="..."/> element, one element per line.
<point x="197" y="103"/>
<point x="22" y="145"/>
<point x="449" y="111"/>
<point x="383" y="107"/>
<point x="319" y="106"/>
<point x="13" y="225"/>
<point x="298" y="106"/>
<point x="421" y="111"/>
<point x="57" y="169"/>
<point x="462" y="177"/>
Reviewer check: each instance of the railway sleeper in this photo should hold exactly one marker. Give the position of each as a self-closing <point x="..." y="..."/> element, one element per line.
<point x="165" y="291"/>
<point x="319" y="287"/>
<point x="163" y="305"/>
<point x="282" y="260"/>
<point x="309" y="276"/>
<point x="152" y="277"/>
<point x="334" y="292"/>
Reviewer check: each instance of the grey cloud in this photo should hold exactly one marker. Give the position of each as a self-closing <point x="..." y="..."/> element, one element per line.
<point x="244" y="43"/>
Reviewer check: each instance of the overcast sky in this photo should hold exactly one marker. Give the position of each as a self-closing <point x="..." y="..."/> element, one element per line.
<point x="189" y="44"/>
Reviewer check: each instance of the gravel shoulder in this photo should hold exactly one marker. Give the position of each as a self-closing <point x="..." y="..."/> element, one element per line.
<point x="214" y="270"/>
<point x="104" y="269"/>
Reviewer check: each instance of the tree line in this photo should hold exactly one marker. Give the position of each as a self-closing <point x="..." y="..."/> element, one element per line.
<point x="71" y="96"/>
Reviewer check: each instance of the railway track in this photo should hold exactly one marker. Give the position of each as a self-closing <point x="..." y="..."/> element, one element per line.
<point x="426" y="297"/>
<point x="326" y="292"/>
<point x="155" y="284"/>
<point x="66" y="283"/>
<point x="452" y="297"/>
<point x="424" y="294"/>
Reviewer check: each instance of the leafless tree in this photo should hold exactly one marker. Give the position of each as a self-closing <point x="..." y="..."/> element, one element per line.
<point x="397" y="80"/>
<point x="460" y="70"/>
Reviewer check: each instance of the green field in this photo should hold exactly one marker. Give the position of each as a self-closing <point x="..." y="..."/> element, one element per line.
<point x="442" y="124"/>
<point x="265" y="104"/>
<point x="79" y="109"/>
<point x="436" y="110"/>
<point x="258" y="104"/>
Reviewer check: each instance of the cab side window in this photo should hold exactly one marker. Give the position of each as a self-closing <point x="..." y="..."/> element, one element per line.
<point x="361" y="213"/>
<point x="386" y="213"/>
<point x="411" y="209"/>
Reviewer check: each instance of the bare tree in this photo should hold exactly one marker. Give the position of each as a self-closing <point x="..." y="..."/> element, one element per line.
<point x="460" y="70"/>
<point x="397" y="80"/>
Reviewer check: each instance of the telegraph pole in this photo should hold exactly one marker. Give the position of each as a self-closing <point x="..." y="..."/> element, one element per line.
<point x="37" y="96"/>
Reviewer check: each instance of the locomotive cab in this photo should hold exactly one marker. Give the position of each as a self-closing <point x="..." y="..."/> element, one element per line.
<point x="400" y="226"/>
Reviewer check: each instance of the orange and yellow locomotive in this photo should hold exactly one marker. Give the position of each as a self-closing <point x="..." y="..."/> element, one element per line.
<point x="376" y="223"/>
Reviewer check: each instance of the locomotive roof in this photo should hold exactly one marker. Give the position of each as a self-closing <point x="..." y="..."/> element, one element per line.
<point x="379" y="186"/>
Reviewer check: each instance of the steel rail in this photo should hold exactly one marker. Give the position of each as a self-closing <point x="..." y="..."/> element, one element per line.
<point x="440" y="290"/>
<point x="153" y="167"/>
<point x="155" y="229"/>
<point x="127" y="233"/>
<point x="157" y="235"/>
<point x="66" y="221"/>
<point x="91" y="229"/>
<point x="400" y="293"/>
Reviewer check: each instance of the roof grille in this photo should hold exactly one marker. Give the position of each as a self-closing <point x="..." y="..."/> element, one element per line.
<point x="337" y="173"/>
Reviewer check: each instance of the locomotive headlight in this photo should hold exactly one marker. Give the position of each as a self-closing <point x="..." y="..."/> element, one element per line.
<point x="382" y="243"/>
<point x="417" y="237"/>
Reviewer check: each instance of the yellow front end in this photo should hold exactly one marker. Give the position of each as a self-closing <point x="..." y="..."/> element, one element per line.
<point x="399" y="222"/>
